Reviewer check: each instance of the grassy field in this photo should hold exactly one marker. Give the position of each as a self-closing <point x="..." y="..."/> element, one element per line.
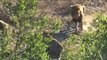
<point x="26" y="40"/>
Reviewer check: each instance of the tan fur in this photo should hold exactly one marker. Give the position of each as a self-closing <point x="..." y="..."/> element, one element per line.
<point x="77" y="13"/>
<point x="77" y="10"/>
<point x="3" y="25"/>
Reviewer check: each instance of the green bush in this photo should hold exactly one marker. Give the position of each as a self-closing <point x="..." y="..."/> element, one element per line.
<point x="88" y="46"/>
<point x="28" y="40"/>
<point x="28" y="43"/>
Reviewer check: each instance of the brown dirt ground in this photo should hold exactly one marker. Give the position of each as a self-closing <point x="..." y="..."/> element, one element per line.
<point x="60" y="9"/>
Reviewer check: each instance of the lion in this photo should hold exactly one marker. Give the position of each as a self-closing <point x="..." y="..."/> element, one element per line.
<point x="77" y="13"/>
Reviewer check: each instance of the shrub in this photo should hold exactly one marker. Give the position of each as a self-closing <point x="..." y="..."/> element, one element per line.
<point x="27" y="42"/>
<point x="88" y="46"/>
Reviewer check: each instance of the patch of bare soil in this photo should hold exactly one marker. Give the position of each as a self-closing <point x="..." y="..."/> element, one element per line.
<point x="87" y="22"/>
<point x="60" y="9"/>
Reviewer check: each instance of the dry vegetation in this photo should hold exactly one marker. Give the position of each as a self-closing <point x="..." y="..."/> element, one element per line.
<point x="56" y="9"/>
<point x="29" y="43"/>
